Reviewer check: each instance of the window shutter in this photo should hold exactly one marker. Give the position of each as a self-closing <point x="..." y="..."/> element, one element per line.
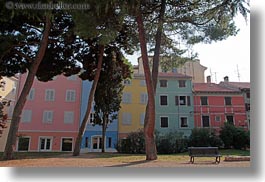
<point x="177" y="100"/>
<point x="188" y="100"/>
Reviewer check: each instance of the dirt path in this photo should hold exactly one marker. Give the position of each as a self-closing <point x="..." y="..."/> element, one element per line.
<point x="89" y="160"/>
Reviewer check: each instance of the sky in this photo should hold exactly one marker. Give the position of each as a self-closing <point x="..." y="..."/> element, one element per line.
<point x="230" y="57"/>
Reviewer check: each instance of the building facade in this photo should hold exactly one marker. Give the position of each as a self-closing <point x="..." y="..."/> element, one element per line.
<point x="134" y="100"/>
<point x="51" y="115"/>
<point x="92" y="139"/>
<point x="174" y="104"/>
<point x="215" y="104"/>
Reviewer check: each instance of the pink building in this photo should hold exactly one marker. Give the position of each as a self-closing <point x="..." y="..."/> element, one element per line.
<point x="215" y="104"/>
<point x="50" y="118"/>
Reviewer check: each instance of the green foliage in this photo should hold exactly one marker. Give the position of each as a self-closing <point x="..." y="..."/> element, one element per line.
<point x="108" y="94"/>
<point x="234" y="137"/>
<point x="171" y="143"/>
<point x="133" y="144"/>
<point x="204" y="137"/>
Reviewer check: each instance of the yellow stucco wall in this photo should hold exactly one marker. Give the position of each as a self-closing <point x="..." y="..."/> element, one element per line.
<point x="136" y="108"/>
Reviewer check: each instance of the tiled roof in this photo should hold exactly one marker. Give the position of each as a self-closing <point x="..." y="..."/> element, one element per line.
<point x="174" y="75"/>
<point x="212" y="87"/>
<point x="167" y="75"/>
<point x="240" y="85"/>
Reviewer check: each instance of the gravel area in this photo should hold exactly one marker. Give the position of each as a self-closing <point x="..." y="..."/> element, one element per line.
<point x="88" y="160"/>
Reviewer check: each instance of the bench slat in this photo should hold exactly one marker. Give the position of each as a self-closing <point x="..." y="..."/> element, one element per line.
<point x="204" y="152"/>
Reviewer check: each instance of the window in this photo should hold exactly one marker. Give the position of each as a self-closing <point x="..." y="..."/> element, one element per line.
<point x="228" y="101"/>
<point x="49" y="95"/>
<point x="142" y="116"/>
<point x="86" y="142"/>
<point x="31" y="94"/>
<point x="143" y="98"/>
<point x="230" y="119"/>
<point x="109" y="142"/>
<point x="218" y="118"/>
<point x="67" y="144"/>
<point x="92" y="117"/>
<point x="204" y="100"/>
<point x="247" y="106"/>
<point x="45" y="144"/>
<point x="126" y="118"/>
<point x="70" y="96"/>
<point x="182" y="83"/>
<point x="26" y="116"/>
<point x="127" y="82"/>
<point x="163" y="100"/>
<point x="183" y="122"/>
<point x="163" y="83"/>
<point x="47" y="116"/>
<point x="248" y="95"/>
<point x="68" y="117"/>
<point x="182" y="100"/>
<point x="142" y="83"/>
<point x="163" y="122"/>
<point x="23" y="143"/>
<point x="126" y="98"/>
<point x="205" y="121"/>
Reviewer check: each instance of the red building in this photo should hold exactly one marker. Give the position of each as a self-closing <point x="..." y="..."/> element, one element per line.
<point x="215" y="104"/>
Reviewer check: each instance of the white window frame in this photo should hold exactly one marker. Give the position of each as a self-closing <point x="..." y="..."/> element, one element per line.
<point x="126" y="98"/>
<point x="160" y="100"/>
<point x="47" y="116"/>
<point x="69" y="117"/>
<point x="70" y="96"/>
<point x="62" y="143"/>
<point x="143" y="98"/>
<point x="45" y="137"/>
<point x="142" y="116"/>
<point x="26" y="116"/>
<point x="49" y="95"/>
<point x="126" y="118"/>
<point x="142" y="83"/>
<point x="161" y="82"/>
<point x="181" y="122"/>
<point x="185" y="83"/>
<point x="28" y="146"/>
<point x="31" y="94"/>
<point x="161" y="121"/>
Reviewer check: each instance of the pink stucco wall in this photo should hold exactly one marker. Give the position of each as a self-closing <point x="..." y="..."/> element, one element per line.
<point x="57" y="128"/>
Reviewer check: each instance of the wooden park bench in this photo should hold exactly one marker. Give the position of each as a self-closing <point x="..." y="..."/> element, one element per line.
<point x="204" y="152"/>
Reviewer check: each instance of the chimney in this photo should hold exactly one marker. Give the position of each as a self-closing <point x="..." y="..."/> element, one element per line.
<point x="226" y="79"/>
<point x="208" y="79"/>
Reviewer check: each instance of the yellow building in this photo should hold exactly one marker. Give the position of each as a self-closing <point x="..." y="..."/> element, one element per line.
<point x="134" y="100"/>
<point x="8" y="92"/>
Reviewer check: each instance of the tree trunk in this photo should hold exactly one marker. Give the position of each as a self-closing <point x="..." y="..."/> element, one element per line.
<point x="12" y="135"/>
<point x="89" y="104"/>
<point x="104" y="127"/>
<point x="156" y="53"/>
<point x="149" y="126"/>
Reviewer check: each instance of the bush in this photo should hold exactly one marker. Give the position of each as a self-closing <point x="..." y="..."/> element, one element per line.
<point x="227" y="134"/>
<point x="170" y="143"/>
<point x="133" y="144"/>
<point x="204" y="137"/>
<point x="234" y="137"/>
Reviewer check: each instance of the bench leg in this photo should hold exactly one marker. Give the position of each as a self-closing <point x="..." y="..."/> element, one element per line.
<point x="192" y="160"/>
<point x="218" y="159"/>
